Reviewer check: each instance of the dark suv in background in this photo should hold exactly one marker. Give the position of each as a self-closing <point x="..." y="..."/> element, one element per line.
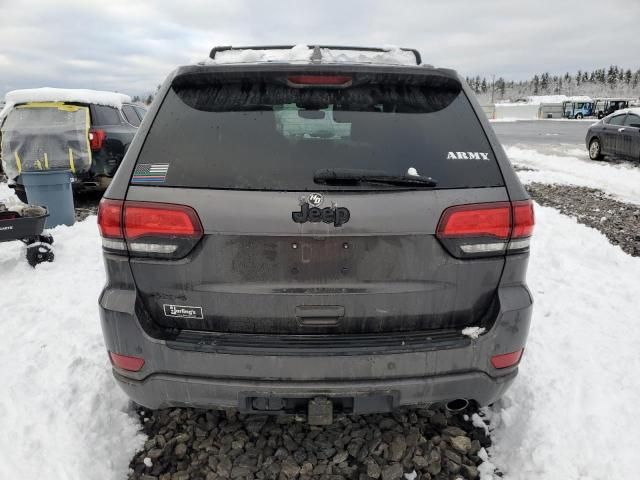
<point x="112" y="129"/>
<point x="315" y="236"/>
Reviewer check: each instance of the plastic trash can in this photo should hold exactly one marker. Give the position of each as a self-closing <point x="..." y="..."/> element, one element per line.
<point x="51" y="189"/>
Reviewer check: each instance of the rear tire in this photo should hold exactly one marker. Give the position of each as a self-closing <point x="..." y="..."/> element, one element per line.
<point x="39" y="253"/>
<point x="594" y="149"/>
<point x="579" y="116"/>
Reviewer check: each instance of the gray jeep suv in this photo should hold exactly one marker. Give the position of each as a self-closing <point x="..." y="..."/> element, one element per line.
<point x="319" y="236"/>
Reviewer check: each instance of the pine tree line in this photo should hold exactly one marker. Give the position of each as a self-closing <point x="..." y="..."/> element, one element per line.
<point x="142" y="99"/>
<point x="602" y="82"/>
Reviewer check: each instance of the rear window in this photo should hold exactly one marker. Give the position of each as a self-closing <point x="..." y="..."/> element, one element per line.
<point x="266" y="136"/>
<point x="103" y="115"/>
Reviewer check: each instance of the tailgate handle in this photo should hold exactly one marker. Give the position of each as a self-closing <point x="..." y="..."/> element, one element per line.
<point x="319" y="315"/>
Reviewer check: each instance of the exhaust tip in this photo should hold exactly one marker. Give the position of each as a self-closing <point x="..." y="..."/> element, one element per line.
<point x="457" y="405"/>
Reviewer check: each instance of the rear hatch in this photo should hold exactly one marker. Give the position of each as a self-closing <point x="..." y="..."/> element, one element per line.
<point x="297" y="238"/>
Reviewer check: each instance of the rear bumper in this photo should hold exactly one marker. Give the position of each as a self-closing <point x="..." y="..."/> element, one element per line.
<point x="367" y="396"/>
<point x="363" y="381"/>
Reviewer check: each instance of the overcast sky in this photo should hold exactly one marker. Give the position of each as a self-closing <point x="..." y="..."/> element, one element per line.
<point x="130" y="46"/>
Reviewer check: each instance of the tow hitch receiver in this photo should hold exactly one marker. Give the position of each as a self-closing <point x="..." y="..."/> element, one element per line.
<point x="320" y="411"/>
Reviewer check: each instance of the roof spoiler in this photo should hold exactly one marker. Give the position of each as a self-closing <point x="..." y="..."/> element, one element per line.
<point x="317" y="54"/>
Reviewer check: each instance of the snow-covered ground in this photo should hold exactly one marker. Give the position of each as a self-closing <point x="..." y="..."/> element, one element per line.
<point x="61" y="414"/>
<point x="515" y="119"/>
<point x="571" y="165"/>
<point x="570" y="414"/>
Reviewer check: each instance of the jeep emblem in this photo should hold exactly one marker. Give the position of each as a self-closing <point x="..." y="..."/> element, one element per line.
<point x="336" y="215"/>
<point x="315" y="199"/>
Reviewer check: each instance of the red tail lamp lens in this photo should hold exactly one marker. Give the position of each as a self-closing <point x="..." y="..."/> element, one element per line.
<point x="125" y="362"/>
<point x="97" y="137"/>
<point x="486" y="229"/>
<point x="506" y="359"/>
<point x="476" y="220"/>
<point x="110" y="218"/>
<point x="148" y="229"/>
<point x="160" y="220"/>
<point x="523" y="219"/>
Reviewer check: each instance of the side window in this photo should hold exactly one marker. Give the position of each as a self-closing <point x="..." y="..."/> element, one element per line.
<point x="617" y="120"/>
<point x="632" y="121"/>
<point x="141" y="112"/>
<point x="130" y="115"/>
<point x="103" y="115"/>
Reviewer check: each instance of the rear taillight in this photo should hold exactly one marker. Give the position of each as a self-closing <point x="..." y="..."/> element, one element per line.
<point x="486" y="229"/>
<point x="97" y="137"/>
<point x="523" y="219"/>
<point x="110" y="225"/>
<point x="148" y="229"/>
<point x="319" y="80"/>
<point x="160" y="229"/>
<point x="126" y="362"/>
<point x="506" y="359"/>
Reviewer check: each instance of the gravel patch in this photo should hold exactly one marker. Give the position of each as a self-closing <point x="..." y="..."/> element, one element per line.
<point x="618" y="221"/>
<point x="520" y="168"/>
<point x="86" y="204"/>
<point x="421" y="443"/>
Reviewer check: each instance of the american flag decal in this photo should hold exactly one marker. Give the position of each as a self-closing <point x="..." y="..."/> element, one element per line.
<point x="150" y="173"/>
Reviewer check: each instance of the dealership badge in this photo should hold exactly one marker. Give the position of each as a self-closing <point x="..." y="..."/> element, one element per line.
<point x="182" y="311"/>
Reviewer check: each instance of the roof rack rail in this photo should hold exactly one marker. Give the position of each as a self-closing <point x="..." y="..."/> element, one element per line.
<point x="316" y="49"/>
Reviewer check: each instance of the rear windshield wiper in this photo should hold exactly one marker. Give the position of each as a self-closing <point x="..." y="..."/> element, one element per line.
<point x="355" y="176"/>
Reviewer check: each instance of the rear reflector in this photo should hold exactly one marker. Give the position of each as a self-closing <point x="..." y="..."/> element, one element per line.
<point x="486" y="229"/>
<point x="506" y="359"/>
<point x="125" y="362"/>
<point x="320" y="80"/>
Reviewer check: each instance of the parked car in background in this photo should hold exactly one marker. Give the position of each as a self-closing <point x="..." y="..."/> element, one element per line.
<point x="617" y="135"/>
<point x="112" y="121"/>
<point x="133" y="114"/>
<point x="577" y="110"/>
<point x="315" y="236"/>
<point x="606" y="106"/>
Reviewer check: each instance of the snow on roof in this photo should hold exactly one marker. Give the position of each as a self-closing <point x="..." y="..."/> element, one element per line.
<point x="392" y="55"/>
<point x="615" y="98"/>
<point x="299" y="53"/>
<point x="110" y="99"/>
<point x="580" y="98"/>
